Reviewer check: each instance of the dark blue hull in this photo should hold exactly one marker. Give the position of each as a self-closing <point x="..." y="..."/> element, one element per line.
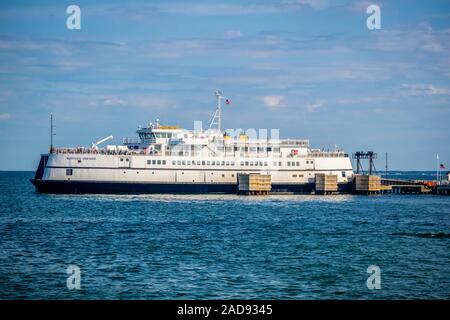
<point x="68" y="187"/>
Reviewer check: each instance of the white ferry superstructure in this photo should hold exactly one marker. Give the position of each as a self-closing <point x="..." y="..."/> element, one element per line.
<point x="169" y="159"/>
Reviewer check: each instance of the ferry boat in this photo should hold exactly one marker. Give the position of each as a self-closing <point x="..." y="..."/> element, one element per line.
<point x="169" y="159"/>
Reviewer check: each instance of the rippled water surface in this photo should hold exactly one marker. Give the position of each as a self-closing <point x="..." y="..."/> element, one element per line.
<point x="221" y="246"/>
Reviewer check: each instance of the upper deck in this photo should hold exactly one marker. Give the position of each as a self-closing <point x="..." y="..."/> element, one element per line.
<point x="163" y="140"/>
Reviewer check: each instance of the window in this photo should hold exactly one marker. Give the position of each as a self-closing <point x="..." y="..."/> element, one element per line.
<point x="213" y="163"/>
<point x="288" y="164"/>
<point x="153" y="161"/>
<point x="208" y="163"/>
<point x="159" y="162"/>
<point x="343" y="174"/>
<point x="164" y="162"/>
<point x="297" y="164"/>
<point x="69" y="172"/>
<point x="203" y="163"/>
<point x="149" y="162"/>
<point x="246" y="163"/>
<point x="179" y="162"/>
<point x="294" y="176"/>
<point x="223" y="176"/>
<point x="265" y="164"/>
<point x="184" y="162"/>
<point x="242" y="163"/>
<point x="232" y="163"/>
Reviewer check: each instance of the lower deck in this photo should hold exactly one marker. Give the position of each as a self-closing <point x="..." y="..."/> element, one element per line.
<point x="107" y="187"/>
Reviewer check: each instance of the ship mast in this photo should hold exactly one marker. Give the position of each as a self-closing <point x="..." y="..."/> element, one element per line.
<point x="216" y="119"/>
<point x="51" y="133"/>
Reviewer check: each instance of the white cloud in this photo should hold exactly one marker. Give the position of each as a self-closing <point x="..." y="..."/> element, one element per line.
<point x="313" y="4"/>
<point x="421" y="39"/>
<point x="114" y="102"/>
<point x="136" y="100"/>
<point x="313" y="106"/>
<point x="233" y="34"/>
<point x="4" y="116"/>
<point x="217" y="9"/>
<point x="172" y="49"/>
<point x="273" y="102"/>
<point x="424" y="90"/>
<point x="361" y="5"/>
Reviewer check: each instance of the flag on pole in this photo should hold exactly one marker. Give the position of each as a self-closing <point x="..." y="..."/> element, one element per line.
<point x="442" y="166"/>
<point x="227" y="101"/>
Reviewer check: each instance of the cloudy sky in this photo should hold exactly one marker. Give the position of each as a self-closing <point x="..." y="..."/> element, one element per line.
<point x="308" y="67"/>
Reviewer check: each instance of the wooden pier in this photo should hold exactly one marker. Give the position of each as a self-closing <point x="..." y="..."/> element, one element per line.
<point x="326" y="183"/>
<point x="254" y="184"/>
<point x="399" y="186"/>
<point x="367" y="184"/>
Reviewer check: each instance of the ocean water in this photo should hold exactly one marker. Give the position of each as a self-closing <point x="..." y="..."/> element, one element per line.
<point x="221" y="246"/>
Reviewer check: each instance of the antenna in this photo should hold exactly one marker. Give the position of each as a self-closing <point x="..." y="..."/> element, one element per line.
<point x="216" y="119"/>
<point x="51" y="132"/>
<point x="386" y="175"/>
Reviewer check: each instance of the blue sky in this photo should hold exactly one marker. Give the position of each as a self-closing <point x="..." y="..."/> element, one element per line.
<point x="308" y="67"/>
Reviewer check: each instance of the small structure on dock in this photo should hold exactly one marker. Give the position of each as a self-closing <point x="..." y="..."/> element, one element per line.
<point x="443" y="190"/>
<point x="254" y="183"/>
<point x="326" y="183"/>
<point x="367" y="184"/>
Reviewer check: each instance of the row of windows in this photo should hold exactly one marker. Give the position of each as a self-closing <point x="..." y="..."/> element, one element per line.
<point x="163" y="162"/>
<point x="69" y="172"/>
<point x="297" y="163"/>
<point x="202" y="163"/>
<point x="248" y="149"/>
<point x="222" y="163"/>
